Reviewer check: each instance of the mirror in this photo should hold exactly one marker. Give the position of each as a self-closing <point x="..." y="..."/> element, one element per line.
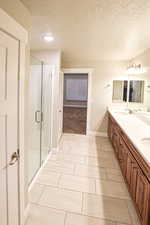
<point x="136" y="91"/>
<point x="120" y="90"/>
<point x="128" y="91"/>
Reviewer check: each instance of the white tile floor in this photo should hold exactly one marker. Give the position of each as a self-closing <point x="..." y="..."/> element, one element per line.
<point x="81" y="185"/>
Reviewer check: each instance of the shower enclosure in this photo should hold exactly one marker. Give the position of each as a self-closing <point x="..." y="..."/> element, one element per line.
<point x="39" y="115"/>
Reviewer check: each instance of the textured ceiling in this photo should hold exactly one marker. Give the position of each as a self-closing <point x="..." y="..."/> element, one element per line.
<point x="92" y="29"/>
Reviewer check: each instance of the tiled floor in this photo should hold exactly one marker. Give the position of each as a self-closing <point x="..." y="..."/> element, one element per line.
<point x="81" y="185"/>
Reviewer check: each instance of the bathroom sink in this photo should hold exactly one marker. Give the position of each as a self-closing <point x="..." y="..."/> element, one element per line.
<point x="144" y="116"/>
<point x="145" y="139"/>
<point x="122" y="112"/>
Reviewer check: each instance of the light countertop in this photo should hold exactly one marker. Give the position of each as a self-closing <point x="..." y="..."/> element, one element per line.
<point x="135" y="129"/>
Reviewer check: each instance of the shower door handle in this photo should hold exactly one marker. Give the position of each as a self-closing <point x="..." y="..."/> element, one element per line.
<point x="42" y="118"/>
<point x="37" y="120"/>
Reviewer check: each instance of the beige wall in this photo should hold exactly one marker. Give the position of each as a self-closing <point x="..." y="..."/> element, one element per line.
<point x="143" y="58"/>
<point x="18" y="11"/>
<point x="104" y="74"/>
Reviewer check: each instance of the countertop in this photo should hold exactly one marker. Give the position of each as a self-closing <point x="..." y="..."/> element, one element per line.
<point x="135" y="129"/>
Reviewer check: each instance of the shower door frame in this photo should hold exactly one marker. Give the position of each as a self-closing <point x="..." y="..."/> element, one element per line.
<point x="41" y="161"/>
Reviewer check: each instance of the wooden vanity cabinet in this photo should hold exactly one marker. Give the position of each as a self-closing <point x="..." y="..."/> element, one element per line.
<point x="131" y="175"/>
<point x="122" y="156"/>
<point x="143" y="198"/>
<point x="134" y="169"/>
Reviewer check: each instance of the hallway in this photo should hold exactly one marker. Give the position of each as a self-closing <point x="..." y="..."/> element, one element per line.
<point x="81" y="185"/>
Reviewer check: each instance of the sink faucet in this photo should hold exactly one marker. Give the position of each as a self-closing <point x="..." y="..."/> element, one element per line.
<point x="130" y="111"/>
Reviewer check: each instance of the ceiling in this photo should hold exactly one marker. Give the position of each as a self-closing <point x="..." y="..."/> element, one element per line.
<point x="92" y="29"/>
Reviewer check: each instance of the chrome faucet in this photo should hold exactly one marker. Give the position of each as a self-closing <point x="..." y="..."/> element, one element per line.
<point x="130" y="111"/>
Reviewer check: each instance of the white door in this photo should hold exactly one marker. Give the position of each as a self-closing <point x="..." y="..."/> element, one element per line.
<point x="9" y="190"/>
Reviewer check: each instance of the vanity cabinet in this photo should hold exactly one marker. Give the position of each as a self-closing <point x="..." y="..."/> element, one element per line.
<point x="142" y="197"/>
<point x="134" y="168"/>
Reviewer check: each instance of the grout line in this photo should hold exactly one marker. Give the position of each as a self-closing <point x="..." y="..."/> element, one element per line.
<point x="82" y="176"/>
<point x="74" y="168"/>
<point x="58" y="182"/>
<point x="65" y="219"/>
<point x="129" y="211"/>
<point x="82" y="202"/>
<point x="86" y="160"/>
<point x="41" y="194"/>
<point x="81" y="214"/>
<point x="48" y="185"/>
<point x="95" y="186"/>
<point x="86" y="192"/>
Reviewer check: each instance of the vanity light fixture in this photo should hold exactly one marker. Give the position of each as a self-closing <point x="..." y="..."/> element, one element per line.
<point x="47" y="37"/>
<point x="135" y="69"/>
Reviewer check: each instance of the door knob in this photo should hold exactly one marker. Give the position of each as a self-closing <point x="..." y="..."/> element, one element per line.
<point x="14" y="158"/>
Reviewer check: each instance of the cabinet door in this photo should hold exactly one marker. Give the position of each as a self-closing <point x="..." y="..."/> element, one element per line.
<point x="110" y="128"/>
<point x="122" y="155"/>
<point x="131" y="174"/>
<point x="134" y="176"/>
<point x="115" y="140"/>
<point x="143" y="198"/>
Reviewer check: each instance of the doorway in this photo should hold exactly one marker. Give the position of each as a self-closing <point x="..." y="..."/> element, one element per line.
<point x="75" y="103"/>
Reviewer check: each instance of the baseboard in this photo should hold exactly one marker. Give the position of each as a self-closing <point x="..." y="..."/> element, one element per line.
<point x="95" y="133"/>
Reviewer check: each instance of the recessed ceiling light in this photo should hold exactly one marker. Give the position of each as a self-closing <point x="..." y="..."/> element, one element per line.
<point x="48" y="37"/>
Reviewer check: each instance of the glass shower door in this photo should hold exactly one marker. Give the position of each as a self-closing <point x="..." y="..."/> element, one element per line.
<point x="46" y="111"/>
<point x="34" y="118"/>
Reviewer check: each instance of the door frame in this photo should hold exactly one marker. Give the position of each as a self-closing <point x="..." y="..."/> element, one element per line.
<point x="89" y="72"/>
<point x="61" y="90"/>
<point x="9" y="26"/>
